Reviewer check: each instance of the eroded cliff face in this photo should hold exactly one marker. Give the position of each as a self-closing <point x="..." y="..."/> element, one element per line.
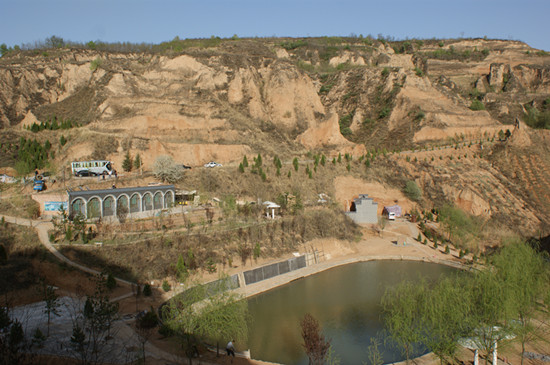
<point x="206" y="95"/>
<point x="242" y="99"/>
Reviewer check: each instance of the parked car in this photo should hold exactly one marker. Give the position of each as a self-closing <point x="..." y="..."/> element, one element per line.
<point x="82" y="173"/>
<point x="212" y="164"/>
<point x="391" y="216"/>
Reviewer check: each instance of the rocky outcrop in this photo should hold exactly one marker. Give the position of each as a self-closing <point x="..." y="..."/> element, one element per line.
<point x="520" y="78"/>
<point x="498" y="74"/>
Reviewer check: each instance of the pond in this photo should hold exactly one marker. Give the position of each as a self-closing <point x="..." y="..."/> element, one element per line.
<point x="345" y="300"/>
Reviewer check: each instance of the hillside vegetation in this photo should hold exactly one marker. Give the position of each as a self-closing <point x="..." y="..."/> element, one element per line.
<point x="466" y="120"/>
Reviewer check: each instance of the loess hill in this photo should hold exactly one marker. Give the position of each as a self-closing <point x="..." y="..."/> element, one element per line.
<point x="455" y="116"/>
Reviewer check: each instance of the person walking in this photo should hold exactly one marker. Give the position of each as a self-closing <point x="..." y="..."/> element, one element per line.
<point x="230" y="348"/>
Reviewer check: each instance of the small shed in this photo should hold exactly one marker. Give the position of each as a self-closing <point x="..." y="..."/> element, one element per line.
<point x="395" y="209"/>
<point x="186" y="197"/>
<point x="270" y="208"/>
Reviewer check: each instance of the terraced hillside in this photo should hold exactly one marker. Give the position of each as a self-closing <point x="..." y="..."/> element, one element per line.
<point x="441" y="101"/>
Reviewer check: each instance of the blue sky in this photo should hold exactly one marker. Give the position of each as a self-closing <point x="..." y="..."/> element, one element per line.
<point x="154" y="21"/>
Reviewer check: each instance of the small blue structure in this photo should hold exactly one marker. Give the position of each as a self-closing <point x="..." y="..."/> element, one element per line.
<point x="38" y="184"/>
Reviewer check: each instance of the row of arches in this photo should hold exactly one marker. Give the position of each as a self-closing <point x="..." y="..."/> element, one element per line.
<point x="110" y="205"/>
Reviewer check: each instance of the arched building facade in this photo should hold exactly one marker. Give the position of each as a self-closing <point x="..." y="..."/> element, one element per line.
<point x="124" y="201"/>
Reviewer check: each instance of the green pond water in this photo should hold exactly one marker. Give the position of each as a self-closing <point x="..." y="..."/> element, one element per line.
<point x="345" y="300"/>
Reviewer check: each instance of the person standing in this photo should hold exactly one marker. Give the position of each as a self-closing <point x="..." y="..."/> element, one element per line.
<point x="230" y="348"/>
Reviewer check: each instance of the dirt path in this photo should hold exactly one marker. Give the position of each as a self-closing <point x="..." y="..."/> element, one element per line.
<point x="396" y="242"/>
<point x="42" y="227"/>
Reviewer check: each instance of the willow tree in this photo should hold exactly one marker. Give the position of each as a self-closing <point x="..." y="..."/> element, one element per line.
<point x="491" y="310"/>
<point x="207" y="313"/>
<point x="524" y="275"/>
<point x="401" y="315"/>
<point x="445" y="316"/>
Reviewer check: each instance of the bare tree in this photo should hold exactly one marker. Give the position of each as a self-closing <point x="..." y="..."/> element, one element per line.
<point x="92" y="327"/>
<point x="145" y="328"/>
<point x="121" y="213"/>
<point x="315" y="344"/>
<point x="52" y="303"/>
<point x="166" y="169"/>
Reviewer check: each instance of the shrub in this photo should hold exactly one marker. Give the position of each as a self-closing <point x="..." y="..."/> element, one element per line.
<point x="435" y="245"/>
<point x="425" y="242"/>
<point x="447" y="249"/>
<point x="147" y="291"/>
<point x="96" y="64"/>
<point x="385" y="72"/>
<point x="165" y="286"/>
<point x="111" y="282"/>
<point x="257" y="251"/>
<point x="461" y="254"/>
<point x="412" y="191"/>
<point x="166" y="331"/>
<point x="384" y="112"/>
<point x="477" y="105"/>
<point x="419" y="238"/>
<point x="211" y="266"/>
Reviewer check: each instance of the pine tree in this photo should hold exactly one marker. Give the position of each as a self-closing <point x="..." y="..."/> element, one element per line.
<point x="259" y="160"/>
<point x="181" y="270"/>
<point x="127" y="163"/>
<point x="137" y="162"/>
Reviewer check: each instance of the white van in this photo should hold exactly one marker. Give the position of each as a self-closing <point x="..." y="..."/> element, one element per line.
<point x="391" y="216"/>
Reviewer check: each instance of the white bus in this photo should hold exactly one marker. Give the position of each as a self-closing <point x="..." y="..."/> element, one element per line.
<point x="96" y="167"/>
